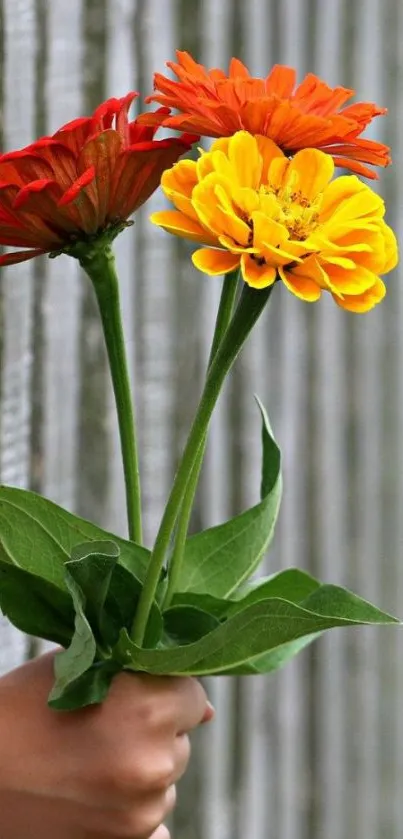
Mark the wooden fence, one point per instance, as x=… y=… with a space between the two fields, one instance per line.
x=316 y=751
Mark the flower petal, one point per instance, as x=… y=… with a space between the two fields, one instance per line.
x=361 y=303
x=180 y=225
x=314 y=170
x=19 y=256
x=214 y=262
x=256 y=272
x=301 y=284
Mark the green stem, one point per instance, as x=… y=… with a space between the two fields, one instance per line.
x=250 y=306
x=99 y=264
x=224 y=314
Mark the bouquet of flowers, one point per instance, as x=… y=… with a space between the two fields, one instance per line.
x=266 y=209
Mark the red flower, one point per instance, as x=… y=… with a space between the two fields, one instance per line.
x=87 y=178
x=294 y=117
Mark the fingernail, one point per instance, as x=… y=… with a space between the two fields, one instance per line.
x=209 y=713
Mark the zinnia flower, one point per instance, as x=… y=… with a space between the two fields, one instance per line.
x=86 y=179
x=281 y=218
x=295 y=117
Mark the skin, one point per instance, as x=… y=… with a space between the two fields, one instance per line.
x=106 y=772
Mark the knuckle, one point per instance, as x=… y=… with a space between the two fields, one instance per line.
x=156 y=774
x=140 y=821
x=156 y=712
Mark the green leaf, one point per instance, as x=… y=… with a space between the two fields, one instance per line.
x=218 y=560
x=90 y=688
x=185 y=624
x=35 y=606
x=72 y=663
x=273 y=660
x=215 y=606
x=91 y=566
x=39 y=536
x=341 y=603
x=258 y=629
x=292 y=585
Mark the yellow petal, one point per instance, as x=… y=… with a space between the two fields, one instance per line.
x=361 y=303
x=391 y=249
x=350 y=199
x=266 y=230
x=212 y=202
x=178 y=183
x=229 y=245
x=313 y=169
x=180 y=225
x=214 y=262
x=268 y=152
x=278 y=172
x=221 y=144
x=352 y=282
x=244 y=156
x=271 y=240
x=256 y=273
x=302 y=285
x=247 y=200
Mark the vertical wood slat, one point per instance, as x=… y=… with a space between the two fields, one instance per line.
x=331 y=394
x=63 y=277
x=154 y=389
x=119 y=81
x=397 y=782
x=291 y=711
x=218 y=806
x=369 y=443
x=16 y=289
x=257 y=805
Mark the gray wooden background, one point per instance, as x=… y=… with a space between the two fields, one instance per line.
x=314 y=752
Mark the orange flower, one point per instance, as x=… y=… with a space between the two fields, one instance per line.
x=86 y=179
x=309 y=115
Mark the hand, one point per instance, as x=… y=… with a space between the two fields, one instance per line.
x=105 y=772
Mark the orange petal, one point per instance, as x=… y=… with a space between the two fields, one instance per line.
x=180 y=225
x=354 y=281
x=256 y=273
x=391 y=249
x=361 y=303
x=300 y=284
x=214 y=262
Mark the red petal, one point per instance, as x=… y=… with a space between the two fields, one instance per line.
x=139 y=132
x=22 y=166
x=102 y=152
x=139 y=174
x=32 y=188
x=75 y=133
x=74 y=190
x=19 y=256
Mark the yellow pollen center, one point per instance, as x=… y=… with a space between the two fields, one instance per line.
x=294 y=210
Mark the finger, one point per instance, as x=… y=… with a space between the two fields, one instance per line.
x=170 y=799
x=192 y=704
x=162 y=832
x=210 y=712
x=168 y=805
x=181 y=756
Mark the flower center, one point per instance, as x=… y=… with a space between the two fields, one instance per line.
x=294 y=210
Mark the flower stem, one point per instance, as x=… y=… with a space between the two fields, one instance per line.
x=99 y=264
x=224 y=314
x=250 y=306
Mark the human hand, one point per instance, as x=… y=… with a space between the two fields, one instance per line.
x=105 y=772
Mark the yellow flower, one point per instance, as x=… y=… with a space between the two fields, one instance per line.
x=280 y=218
